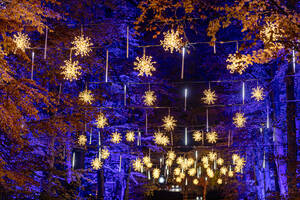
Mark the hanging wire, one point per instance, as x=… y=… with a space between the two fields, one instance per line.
x=46 y=44
x=32 y=64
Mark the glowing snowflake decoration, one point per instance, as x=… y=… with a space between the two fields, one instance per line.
x=192 y=171
x=210 y=172
x=209 y=96
x=204 y=160
x=137 y=164
x=82 y=45
x=82 y=140
x=177 y=171
x=146 y=160
x=144 y=65
x=197 y=135
x=212 y=137
x=86 y=96
x=149 y=98
x=238 y=62
x=116 y=138
x=239 y=120
x=179 y=160
x=171 y=155
x=212 y=156
x=219 y=181
x=169 y=162
x=258 y=93
x=71 y=70
x=190 y=161
x=130 y=136
x=235 y=157
x=220 y=161
x=240 y=162
x=223 y=170
x=149 y=165
x=96 y=164
x=182 y=175
x=230 y=173
x=206 y=165
x=156 y=173
x=172 y=41
x=22 y=41
x=105 y=153
x=195 y=181
x=101 y=120
x=169 y=123
x=178 y=179
x=161 y=139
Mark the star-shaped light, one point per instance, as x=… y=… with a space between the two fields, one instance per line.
x=169 y=162
x=86 y=96
x=190 y=161
x=82 y=45
x=156 y=173
x=130 y=136
x=230 y=173
x=219 y=181
x=239 y=120
x=82 y=140
x=209 y=96
x=239 y=62
x=240 y=162
x=204 y=160
x=197 y=135
x=192 y=171
x=149 y=98
x=210 y=172
x=146 y=160
x=71 y=70
x=172 y=41
x=220 y=161
x=149 y=165
x=22 y=41
x=171 y=155
x=182 y=175
x=116 y=138
x=223 y=170
x=195 y=181
x=96 y=164
x=161 y=139
x=212 y=137
x=258 y=93
x=179 y=160
x=169 y=123
x=212 y=156
x=177 y=171
x=101 y=120
x=105 y=153
x=144 y=65
x=137 y=164
x=178 y=179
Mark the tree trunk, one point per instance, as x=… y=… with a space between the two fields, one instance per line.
x=126 y=196
x=100 y=181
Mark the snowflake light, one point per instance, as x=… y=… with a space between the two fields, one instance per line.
x=177 y=171
x=82 y=140
x=149 y=98
x=219 y=181
x=22 y=41
x=137 y=164
x=205 y=165
x=204 y=160
x=238 y=62
x=71 y=70
x=239 y=120
x=144 y=65
x=101 y=120
x=223 y=170
x=169 y=123
x=146 y=160
x=240 y=162
x=220 y=161
x=156 y=173
x=178 y=179
x=165 y=140
x=212 y=156
x=169 y=162
x=190 y=161
x=161 y=139
x=209 y=96
x=171 y=155
x=184 y=165
x=82 y=45
x=258 y=93
x=192 y=171
x=182 y=175
x=230 y=173
x=86 y=96
x=105 y=153
x=197 y=135
x=149 y=165
x=210 y=172
x=195 y=181
x=212 y=137
x=130 y=137
x=172 y=41
x=179 y=160
x=116 y=138
x=96 y=164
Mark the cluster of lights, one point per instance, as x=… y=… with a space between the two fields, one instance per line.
x=149 y=98
x=101 y=120
x=147 y=162
x=86 y=97
x=239 y=120
x=258 y=93
x=169 y=123
x=172 y=41
x=71 y=70
x=137 y=164
x=82 y=140
x=130 y=136
x=82 y=45
x=21 y=41
x=116 y=138
x=238 y=162
x=144 y=65
x=239 y=62
x=271 y=34
x=156 y=173
x=209 y=96
x=161 y=139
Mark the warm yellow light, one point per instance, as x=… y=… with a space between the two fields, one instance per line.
x=192 y=171
x=160 y=138
x=230 y=173
x=101 y=120
x=212 y=137
x=82 y=45
x=149 y=98
x=212 y=156
x=130 y=137
x=96 y=164
x=177 y=171
x=182 y=175
x=86 y=96
x=169 y=123
x=137 y=164
x=116 y=138
x=258 y=93
x=172 y=41
x=219 y=181
x=22 y=41
x=169 y=162
x=204 y=160
x=223 y=170
x=210 y=173
x=144 y=65
x=171 y=155
x=190 y=161
x=179 y=160
x=146 y=160
x=82 y=140
x=105 y=154
x=220 y=161
x=209 y=96
x=239 y=120
x=149 y=165
x=156 y=173
x=178 y=179
x=198 y=135
x=239 y=62
x=196 y=181
x=71 y=70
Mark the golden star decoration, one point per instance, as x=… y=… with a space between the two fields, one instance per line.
x=230 y=173
x=146 y=160
x=116 y=138
x=178 y=179
x=210 y=172
x=172 y=41
x=161 y=139
x=71 y=70
x=219 y=181
x=137 y=164
x=130 y=136
x=211 y=137
x=86 y=96
x=209 y=96
x=192 y=171
x=169 y=162
x=197 y=135
x=212 y=156
x=82 y=45
x=204 y=160
x=239 y=120
x=238 y=62
x=190 y=161
x=22 y=41
x=144 y=65
x=235 y=157
x=223 y=170
x=179 y=160
x=169 y=123
x=195 y=181
x=149 y=98
x=156 y=173
x=149 y=165
x=177 y=171
x=220 y=161
x=182 y=175
x=82 y=140
x=96 y=164
x=105 y=153
x=258 y=93
x=101 y=120
x=171 y=155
